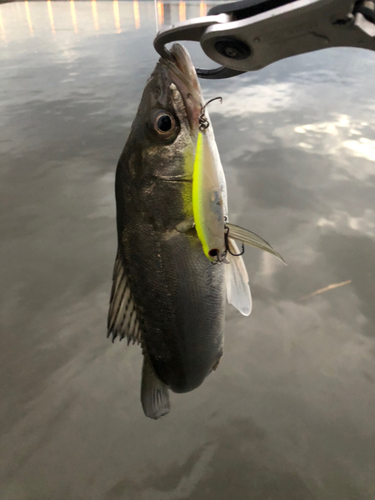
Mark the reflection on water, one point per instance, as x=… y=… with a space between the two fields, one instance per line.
x=74 y=16
x=137 y=19
x=166 y=14
x=95 y=14
x=330 y=137
x=160 y=13
x=202 y=9
x=182 y=11
x=116 y=14
x=50 y=15
x=363 y=148
x=28 y=17
x=289 y=414
x=2 y=30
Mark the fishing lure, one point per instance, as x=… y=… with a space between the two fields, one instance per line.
x=209 y=192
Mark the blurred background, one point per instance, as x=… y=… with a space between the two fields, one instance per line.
x=289 y=414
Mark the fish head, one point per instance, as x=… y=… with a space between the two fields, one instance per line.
x=167 y=144
x=167 y=123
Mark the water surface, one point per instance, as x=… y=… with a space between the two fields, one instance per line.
x=289 y=414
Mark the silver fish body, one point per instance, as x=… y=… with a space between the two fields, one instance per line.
x=179 y=295
x=166 y=294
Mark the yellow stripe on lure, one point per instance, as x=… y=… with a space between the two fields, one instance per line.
x=209 y=204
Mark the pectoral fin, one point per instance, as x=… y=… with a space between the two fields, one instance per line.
x=252 y=239
x=237 y=281
x=154 y=393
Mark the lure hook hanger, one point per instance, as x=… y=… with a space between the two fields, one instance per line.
x=227 y=250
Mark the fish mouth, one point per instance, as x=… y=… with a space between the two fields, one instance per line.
x=182 y=73
x=185 y=65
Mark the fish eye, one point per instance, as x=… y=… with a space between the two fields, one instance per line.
x=165 y=125
x=214 y=252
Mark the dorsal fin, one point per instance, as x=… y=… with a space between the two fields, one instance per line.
x=122 y=315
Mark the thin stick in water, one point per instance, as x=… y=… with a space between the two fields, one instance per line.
x=325 y=289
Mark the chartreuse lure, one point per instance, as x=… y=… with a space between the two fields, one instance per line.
x=208 y=203
x=210 y=212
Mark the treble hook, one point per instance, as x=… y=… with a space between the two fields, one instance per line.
x=227 y=249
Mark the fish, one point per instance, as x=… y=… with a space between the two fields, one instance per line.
x=177 y=259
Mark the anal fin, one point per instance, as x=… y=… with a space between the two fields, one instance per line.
x=154 y=393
